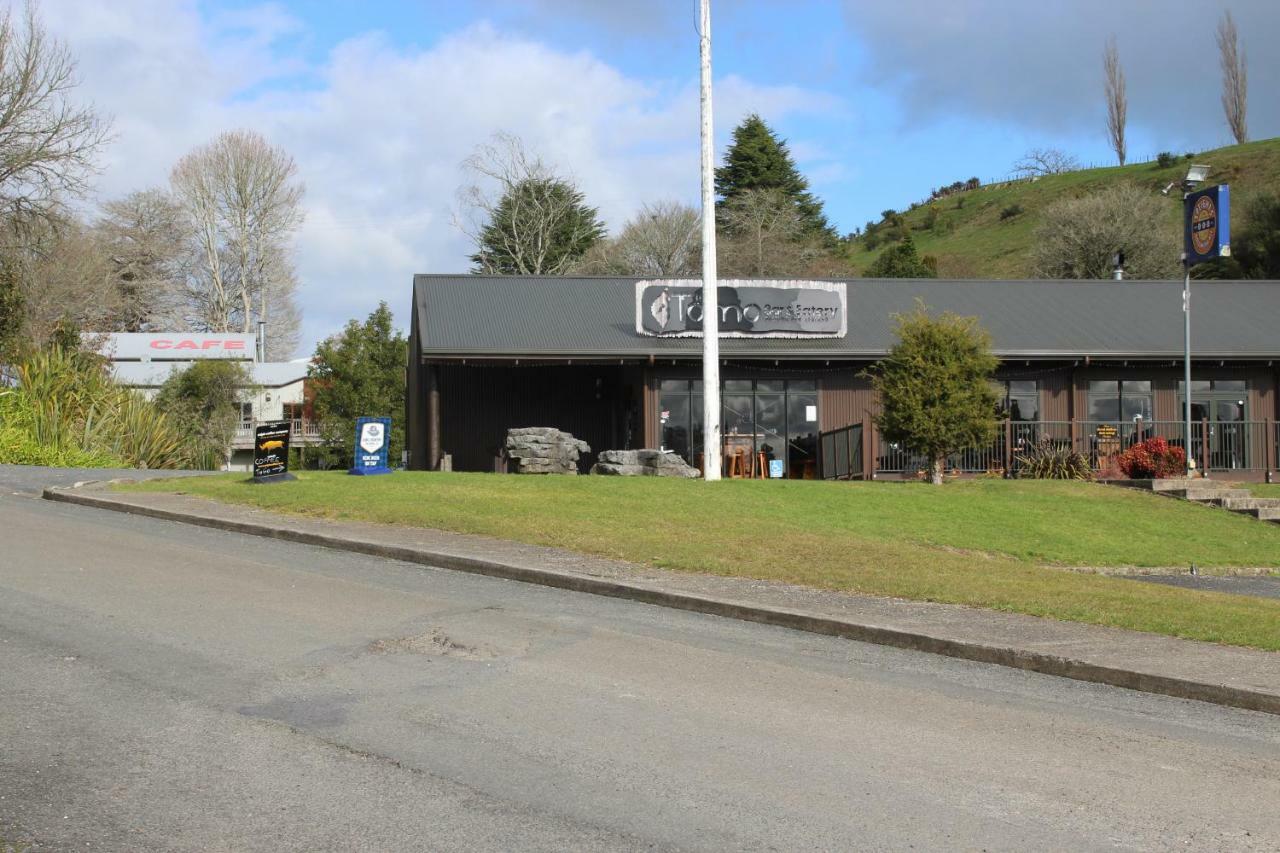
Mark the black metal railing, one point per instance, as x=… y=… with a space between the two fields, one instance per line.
x=1215 y=446
x=840 y=453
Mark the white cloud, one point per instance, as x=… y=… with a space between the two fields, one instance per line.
x=380 y=132
x=1038 y=65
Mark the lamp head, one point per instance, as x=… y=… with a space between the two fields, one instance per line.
x=1195 y=175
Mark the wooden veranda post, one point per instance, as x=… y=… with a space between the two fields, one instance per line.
x=1008 y=447
x=433 y=417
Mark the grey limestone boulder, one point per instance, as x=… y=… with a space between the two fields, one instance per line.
x=643 y=463
x=543 y=450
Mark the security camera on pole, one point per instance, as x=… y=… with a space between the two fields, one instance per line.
x=710 y=303
x=1206 y=228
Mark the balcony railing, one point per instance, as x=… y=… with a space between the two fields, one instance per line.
x=1249 y=448
x=300 y=429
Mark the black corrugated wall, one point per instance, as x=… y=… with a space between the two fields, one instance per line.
x=478 y=404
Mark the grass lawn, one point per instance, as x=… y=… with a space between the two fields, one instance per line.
x=979 y=542
x=1265 y=490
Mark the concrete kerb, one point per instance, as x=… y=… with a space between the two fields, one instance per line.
x=1064 y=667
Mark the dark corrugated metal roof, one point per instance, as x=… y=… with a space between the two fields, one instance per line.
x=530 y=316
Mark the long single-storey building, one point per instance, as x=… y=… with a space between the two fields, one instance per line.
x=616 y=362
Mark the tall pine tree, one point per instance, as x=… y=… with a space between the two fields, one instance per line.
x=758 y=160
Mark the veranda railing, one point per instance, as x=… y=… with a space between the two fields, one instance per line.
x=1249 y=447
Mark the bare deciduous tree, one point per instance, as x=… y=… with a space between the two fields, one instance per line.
x=244 y=201
x=70 y=278
x=149 y=240
x=1235 y=78
x=1117 y=99
x=763 y=235
x=1046 y=161
x=661 y=241
x=47 y=142
x=1077 y=237
x=522 y=217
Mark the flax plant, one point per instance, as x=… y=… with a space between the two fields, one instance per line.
x=66 y=405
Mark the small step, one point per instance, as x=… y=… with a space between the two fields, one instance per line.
x=1247 y=503
x=1270 y=513
x=1168 y=484
x=1202 y=493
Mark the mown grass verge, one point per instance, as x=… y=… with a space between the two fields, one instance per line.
x=979 y=543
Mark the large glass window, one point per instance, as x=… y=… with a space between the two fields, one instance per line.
x=1225 y=386
x=1116 y=400
x=1020 y=399
x=678 y=404
x=766 y=422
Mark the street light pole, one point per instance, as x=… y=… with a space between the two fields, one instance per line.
x=1195 y=175
x=710 y=303
x=1186 y=348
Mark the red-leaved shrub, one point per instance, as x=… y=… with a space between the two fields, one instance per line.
x=1151 y=459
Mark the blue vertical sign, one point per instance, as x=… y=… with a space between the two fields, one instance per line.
x=373 y=438
x=1207 y=226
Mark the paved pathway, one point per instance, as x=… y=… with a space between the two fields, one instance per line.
x=1264 y=587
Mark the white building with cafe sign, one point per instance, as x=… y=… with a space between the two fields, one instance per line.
x=277 y=392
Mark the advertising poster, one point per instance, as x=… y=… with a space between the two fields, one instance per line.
x=1208 y=224
x=373 y=440
x=271 y=450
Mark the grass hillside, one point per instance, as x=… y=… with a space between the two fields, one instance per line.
x=971 y=240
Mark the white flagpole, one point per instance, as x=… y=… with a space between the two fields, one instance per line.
x=710 y=305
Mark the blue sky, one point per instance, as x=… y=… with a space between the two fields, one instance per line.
x=380 y=102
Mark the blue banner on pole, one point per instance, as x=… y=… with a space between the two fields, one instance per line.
x=373 y=439
x=1207 y=224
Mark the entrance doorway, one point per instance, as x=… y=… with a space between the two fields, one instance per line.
x=1223 y=405
x=770 y=425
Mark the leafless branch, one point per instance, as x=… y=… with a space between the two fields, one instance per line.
x=1117 y=100
x=661 y=241
x=762 y=235
x=1046 y=161
x=1077 y=237
x=1235 y=78
x=518 y=213
x=47 y=142
x=244 y=200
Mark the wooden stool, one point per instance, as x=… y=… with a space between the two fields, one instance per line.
x=736 y=461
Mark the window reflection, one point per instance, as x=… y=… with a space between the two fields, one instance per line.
x=1116 y=400
x=772 y=422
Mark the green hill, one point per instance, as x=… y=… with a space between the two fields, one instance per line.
x=967 y=235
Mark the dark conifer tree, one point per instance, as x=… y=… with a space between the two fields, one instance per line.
x=758 y=160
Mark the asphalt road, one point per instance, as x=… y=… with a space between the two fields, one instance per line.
x=164 y=687
x=31 y=479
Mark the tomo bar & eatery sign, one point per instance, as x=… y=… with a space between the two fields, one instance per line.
x=748 y=309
